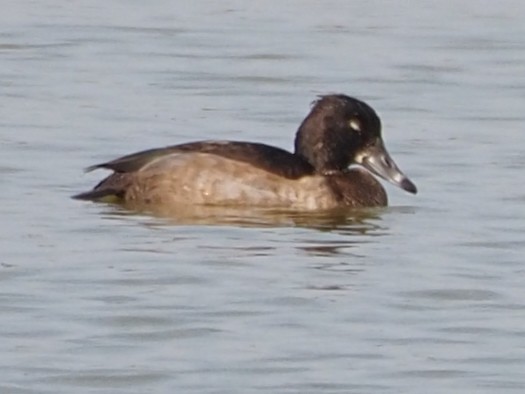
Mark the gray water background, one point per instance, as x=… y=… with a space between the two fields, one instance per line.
x=424 y=296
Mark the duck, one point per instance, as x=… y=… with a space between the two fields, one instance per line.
x=338 y=153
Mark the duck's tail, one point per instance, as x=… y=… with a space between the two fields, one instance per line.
x=111 y=196
x=110 y=190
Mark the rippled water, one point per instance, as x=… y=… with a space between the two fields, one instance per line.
x=424 y=296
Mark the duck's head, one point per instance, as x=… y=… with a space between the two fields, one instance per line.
x=340 y=131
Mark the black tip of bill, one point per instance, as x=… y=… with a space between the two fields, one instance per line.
x=407 y=185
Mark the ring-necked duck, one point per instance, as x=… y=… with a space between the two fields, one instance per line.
x=339 y=131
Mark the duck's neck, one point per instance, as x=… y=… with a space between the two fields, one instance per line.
x=325 y=157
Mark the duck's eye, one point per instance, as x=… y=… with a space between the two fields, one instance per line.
x=355 y=124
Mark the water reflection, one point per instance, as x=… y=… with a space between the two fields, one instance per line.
x=329 y=241
x=344 y=221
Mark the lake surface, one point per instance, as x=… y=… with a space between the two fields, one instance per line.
x=424 y=296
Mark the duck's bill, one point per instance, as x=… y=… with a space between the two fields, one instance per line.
x=377 y=160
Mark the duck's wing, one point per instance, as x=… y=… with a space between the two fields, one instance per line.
x=266 y=157
x=274 y=160
x=135 y=161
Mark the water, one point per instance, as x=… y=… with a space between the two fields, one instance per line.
x=424 y=296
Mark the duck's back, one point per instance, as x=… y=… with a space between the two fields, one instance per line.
x=269 y=158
